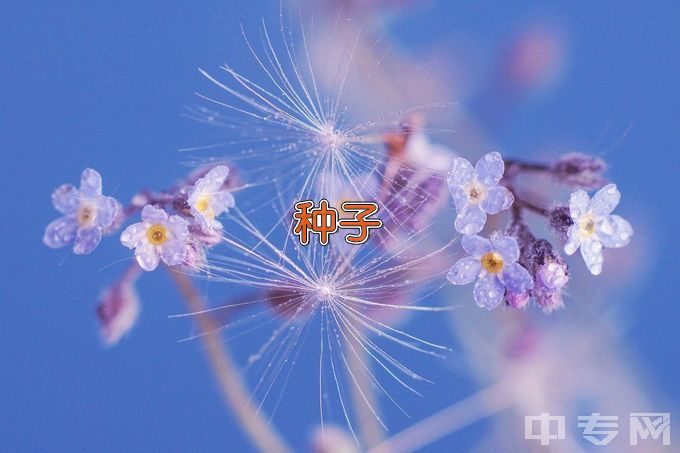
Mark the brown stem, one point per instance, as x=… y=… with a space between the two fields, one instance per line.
x=532 y=207
x=260 y=432
x=525 y=166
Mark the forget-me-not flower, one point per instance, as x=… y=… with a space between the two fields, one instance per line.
x=476 y=192
x=594 y=227
x=157 y=237
x=494 y=264
x=209 y=198
x=87 y=214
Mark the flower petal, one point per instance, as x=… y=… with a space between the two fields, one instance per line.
x=460 y=172
x=90 y=183
x=508 y=248
x=516 y=278
x=66 y=199
x=470 y=220
x=488 y=292
x=573 y=241
x=107 y=209
x=173 y=253
x=223 y=201
x=153 y=215
x=579 y=204
x=60 y=232
x=460 y=198
x=134 y=235
x=591 y=251
x=489 y=169
x=87 y=239
x=614 y=232
x=605 y=200
x=464 y=271
x=497 y=199
x=476 y=245
x=147 y=257
x=178 y=227
x=217 y=176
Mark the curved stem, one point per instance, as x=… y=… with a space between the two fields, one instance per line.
x=260 y=432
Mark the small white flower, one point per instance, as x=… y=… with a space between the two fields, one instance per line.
x=594 y=227
x=208 y=198
x=158 y=236
x=476 y=192
x=493 y=263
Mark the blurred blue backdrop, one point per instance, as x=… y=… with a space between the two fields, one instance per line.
x=103 y=84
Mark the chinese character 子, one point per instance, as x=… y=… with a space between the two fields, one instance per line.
x=599 y=429
x=361 y=220
x=644 y=425
x=325 y=221
x=322 y=221
x=545 y=425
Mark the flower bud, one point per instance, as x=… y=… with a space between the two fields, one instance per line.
x=560 y=221
x=580 y=171
x=118 y=307
x=550 y=273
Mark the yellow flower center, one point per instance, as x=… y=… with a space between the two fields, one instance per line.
x=86 y=214
x=492 y=262
x=203 y=206
x=157 y=234
x=587 y=226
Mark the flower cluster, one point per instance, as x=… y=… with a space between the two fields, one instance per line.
x=177 y=227
x=515 y=266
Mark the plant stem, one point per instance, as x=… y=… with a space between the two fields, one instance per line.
x=260 y=432
x=525 y=166
x=532 y=207
x=484 y=403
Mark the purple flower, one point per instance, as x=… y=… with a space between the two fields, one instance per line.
x=209 y=198
x=158 y=236
x=494 y=264
x=594 y=227
x=87 y=214
x=476 y=192
x=118 y=308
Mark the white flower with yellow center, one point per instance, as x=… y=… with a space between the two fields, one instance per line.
x=87 y=214
x=594 y=227
x=209 y=198
x=476 y=192
x=493 y=263
x=157 y=237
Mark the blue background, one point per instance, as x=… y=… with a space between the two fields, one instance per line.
x=103 y=84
